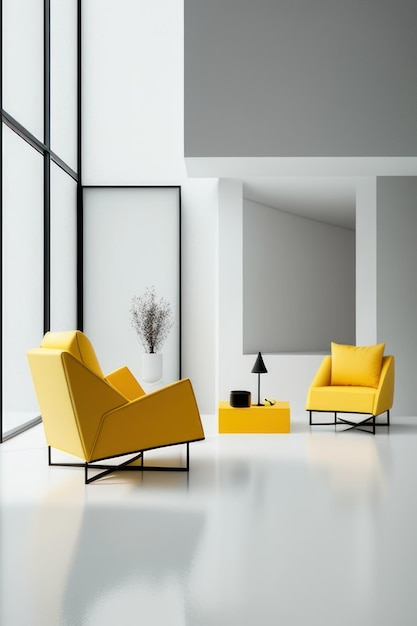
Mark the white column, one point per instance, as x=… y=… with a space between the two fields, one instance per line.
x=366 y=262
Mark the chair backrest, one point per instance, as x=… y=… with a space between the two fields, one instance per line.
x=356 y=365
x=72 y=394
x=76 y=343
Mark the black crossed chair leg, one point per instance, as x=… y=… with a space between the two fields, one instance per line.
x=364 y=425
x=124 y=466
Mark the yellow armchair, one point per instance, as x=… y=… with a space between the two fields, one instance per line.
x=354 y=379
x=96 y=417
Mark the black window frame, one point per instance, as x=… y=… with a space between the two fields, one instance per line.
x=49 y=156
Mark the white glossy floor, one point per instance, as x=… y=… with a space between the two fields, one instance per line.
x=314 y=528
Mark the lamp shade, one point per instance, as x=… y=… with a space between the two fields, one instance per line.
x=259 y=367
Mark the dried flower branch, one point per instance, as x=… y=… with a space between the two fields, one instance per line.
x=152 y=319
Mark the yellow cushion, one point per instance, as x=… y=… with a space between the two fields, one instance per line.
x=356 y=365
x=347 y=399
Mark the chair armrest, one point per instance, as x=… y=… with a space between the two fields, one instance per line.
x=323 y=374
x=384 y=398
x=163 y=417
x=322 y=378
x=124 y=382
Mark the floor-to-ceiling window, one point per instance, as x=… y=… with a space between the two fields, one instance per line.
x=41 y=188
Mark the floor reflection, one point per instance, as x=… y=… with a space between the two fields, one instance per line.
x=350 y=464
x=89 y=556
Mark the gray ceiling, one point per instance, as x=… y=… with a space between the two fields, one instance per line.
x=326 y=199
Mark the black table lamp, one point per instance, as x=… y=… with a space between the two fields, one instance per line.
x=259 y=368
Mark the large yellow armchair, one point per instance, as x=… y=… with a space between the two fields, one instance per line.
x=97 y=417
x=353 y=379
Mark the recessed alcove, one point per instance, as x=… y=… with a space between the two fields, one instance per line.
x=298 y=267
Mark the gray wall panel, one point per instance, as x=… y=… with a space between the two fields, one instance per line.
x=300 y=78
x=397 y=283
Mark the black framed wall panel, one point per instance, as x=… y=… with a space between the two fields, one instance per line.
x=131 y=241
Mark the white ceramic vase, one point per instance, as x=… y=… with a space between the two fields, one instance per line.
x=151 y=367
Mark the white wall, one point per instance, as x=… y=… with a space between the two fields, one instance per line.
x=132 y=91
x=199 y=288
x=133 y=134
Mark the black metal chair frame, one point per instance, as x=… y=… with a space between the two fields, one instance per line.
x=363 y=425
x=125 y=465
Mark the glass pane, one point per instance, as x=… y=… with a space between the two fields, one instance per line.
x=23 y=63
x=22 y=275
x=64 y=80
x=63 y=250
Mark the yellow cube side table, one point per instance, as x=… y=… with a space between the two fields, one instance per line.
x=254 y=419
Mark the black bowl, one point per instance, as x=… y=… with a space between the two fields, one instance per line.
x=240 y=399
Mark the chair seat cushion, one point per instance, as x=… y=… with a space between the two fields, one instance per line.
x=356 y=365
x=348 y=398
